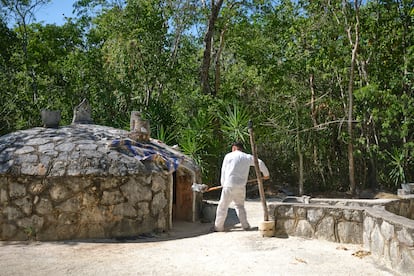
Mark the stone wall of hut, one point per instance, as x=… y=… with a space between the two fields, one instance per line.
x=74 y=207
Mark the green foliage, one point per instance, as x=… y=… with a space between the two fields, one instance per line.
x=191 y=145
x=196 y=139
x=166 y=134
x=283 y=64
x=162 y=122
x=234 y=123
x=397 y=164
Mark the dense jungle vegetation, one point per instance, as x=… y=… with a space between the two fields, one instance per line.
x=328 y=84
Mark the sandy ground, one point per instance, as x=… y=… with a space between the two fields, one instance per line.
x=189 y=249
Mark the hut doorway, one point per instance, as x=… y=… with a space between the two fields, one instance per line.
x=183 y=197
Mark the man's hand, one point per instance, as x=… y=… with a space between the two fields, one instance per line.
x=266 y=177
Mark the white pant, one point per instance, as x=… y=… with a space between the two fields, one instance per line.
x=228 y=195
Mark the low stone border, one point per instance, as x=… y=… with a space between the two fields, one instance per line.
x=390 y=238
x=386 y=235
x=343 y=225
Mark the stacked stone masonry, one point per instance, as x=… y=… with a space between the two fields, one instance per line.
x=82 y=207
x=66 y=183
x=387 y=235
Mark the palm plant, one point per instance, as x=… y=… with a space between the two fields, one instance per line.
x=397 y=173
x=196 y=138
x=234 y=123
x=166 y=134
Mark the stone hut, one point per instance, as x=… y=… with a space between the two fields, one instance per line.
x=86 y=181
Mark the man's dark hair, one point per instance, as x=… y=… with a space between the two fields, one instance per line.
x=238 y=145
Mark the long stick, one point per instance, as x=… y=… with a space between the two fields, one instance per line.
x=258 y=173
x=199 y=187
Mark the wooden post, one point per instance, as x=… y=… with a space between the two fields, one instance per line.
x=258 y=173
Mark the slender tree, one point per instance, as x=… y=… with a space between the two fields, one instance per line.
x=215 y=7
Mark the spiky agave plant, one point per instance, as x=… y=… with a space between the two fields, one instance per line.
x=397 y=172
x=234 y=122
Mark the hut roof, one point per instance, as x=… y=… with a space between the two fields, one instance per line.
x=85 y=149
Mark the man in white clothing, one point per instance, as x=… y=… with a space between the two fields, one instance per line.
x=234 y=174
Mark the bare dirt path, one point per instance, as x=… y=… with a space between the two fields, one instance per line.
x=189 y=249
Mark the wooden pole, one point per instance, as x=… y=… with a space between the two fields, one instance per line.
x=258 y=173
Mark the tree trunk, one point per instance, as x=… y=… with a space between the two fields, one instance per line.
x=217 y=62
x=299 y=150
x=355 y=44
x=208 y=42
x=314 y=116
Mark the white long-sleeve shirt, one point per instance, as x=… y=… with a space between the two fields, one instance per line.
x=235 y=168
